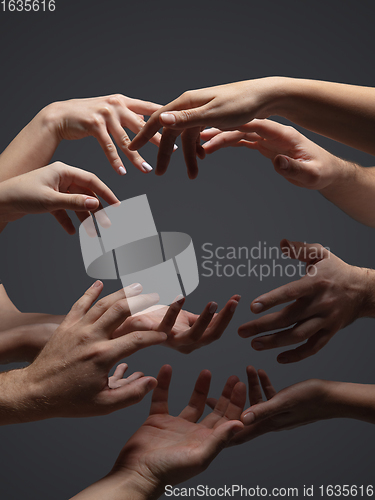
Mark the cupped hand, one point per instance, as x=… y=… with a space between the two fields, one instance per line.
x=329 y=297
x=103 y=117
x=186 y=331
x=169 y=450
x=55 y=189
x=301 y=161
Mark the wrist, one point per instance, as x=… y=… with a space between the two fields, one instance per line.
x=348 y=400
x=19 y=398
x=50 y=121
x=141 y=485
x=367 y=298
x=272 y=93
x=121 y=485
x=342 y=175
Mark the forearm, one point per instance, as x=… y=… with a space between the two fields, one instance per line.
x=345 y=113
x=353 y=190
x=347 y=400
x=33 y=147
x=120 y=486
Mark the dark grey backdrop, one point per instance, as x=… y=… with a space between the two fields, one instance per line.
x=155 y=51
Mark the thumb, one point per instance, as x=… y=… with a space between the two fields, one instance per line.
x=220 y=438
x=258 y=412
x=76 y=202
x=296 y=171
x=185 y=118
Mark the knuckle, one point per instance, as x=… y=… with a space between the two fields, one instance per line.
x=125 y=141
x=115 y=99
x=105 y=111
x=137 y=338
x=95 y=122
x=121 y=307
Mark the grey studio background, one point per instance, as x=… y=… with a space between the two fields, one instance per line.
x=155 y=51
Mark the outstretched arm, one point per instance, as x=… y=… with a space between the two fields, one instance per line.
x=168 y=450
x=342 y=112
x=304 y=164
x=104 y=118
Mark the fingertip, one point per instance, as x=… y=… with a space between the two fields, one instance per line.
x=283 y=360
x=248 y=418
x=243 y=333
x=256 y=307
x=151 y=383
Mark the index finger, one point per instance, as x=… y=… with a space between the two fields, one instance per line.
x=159 y=402
x=283 y=294
x=92 y=182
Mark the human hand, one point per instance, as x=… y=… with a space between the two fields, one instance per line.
x=225 y=107
x=169 y=450
x=186 y=331
x=299 y=404
x=329 y=297
x=103 y=117
x=301 y=161
x=55 y=189
x=70 y=376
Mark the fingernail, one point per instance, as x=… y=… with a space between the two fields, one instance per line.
x=212 y=308
x=122 y=171
x=283 y=163
x=175 y=147
x=147 y=167
x=282 y=359
x=206 y=143
x=233 y=306
x=257 y=345
x=168 y=118
x=257 y=307
x=150 y=384
x=248 y=418
x=180 y=298
x=135 y=286
x=97 y=284
x=91 y=203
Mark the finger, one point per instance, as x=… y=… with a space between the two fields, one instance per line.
x=102 y=136
x=167 y=117
x=237 y=402
x=267 y=386
x=159 y=402
x=267 y=129
x=221 y=321
x=114 y=384
x=219 y=439
x=311 y=347
x=105 y=303
x=79 y=177
x=305 y=252
x=83 y=304
x=194 y=333
x=136 y=122
x=99 y=212
x=299 y=333
x=120 y=371
x=189 y=139
x=222 y=403
x=166 y=149
x=128 y=344
x=63 y=218
x=142 y=107
x=208 y=133
x=291 y=314
x=211 y=403
x=255 y=392
x=128 y=394
x=122 y=309
x=170 y=317
x=195 y=408
x=261 y=411
x=281 y=295
x=122 y=139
